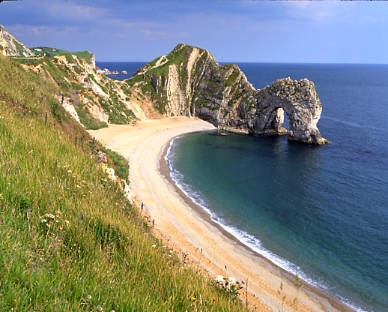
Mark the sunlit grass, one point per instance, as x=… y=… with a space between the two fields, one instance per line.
x=69 y=239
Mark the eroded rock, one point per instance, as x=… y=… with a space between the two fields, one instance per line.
x=190 y=82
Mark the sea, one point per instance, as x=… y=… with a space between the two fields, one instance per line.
x=320 y=212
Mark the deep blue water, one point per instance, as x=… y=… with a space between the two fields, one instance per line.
x=130 y=67
x=321 y=212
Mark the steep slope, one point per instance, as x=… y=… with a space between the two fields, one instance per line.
x=189 y=81
x=70 y=239
x=92 y=98
x=10 y=46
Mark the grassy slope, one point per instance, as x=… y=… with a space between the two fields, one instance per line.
x=65 y=78
x=50 y=52
x=70 y=241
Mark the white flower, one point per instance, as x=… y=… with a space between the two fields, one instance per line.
x=43 y=221
x=219 y=279
x=232 y=280
x=153 y=246
x=89 y=297
x=49 y=216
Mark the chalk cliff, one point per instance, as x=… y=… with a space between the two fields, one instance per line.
x=189 y=81
x=10 y=46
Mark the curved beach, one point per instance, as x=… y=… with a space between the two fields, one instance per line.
x=190 y=230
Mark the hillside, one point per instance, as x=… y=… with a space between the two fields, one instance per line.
x=70 y=240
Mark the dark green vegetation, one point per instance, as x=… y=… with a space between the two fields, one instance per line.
x=118 y=163
x=88 y=121
x=70 y=240
x=208 y=81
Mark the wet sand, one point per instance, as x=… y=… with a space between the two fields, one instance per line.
x=189 y=229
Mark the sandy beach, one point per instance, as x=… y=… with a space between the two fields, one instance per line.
x=190 y=230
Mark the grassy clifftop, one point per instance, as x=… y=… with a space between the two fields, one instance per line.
x=50 y=52
x=70 y=240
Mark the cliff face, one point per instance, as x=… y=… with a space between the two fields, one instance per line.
x=10 y=46
x=189 y=81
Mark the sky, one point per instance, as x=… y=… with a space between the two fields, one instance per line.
x=232 y=30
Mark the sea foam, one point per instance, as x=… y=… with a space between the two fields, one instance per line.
x=245 y=238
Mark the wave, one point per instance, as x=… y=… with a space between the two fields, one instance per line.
x=247 y=239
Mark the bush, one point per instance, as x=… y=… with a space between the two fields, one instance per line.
x=88 y=121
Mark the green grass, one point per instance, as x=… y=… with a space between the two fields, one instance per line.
x=70 y=241
x=118 y=163
x=232 y=78
x=88 y=121
x=28 y=61
x=50 y=52
x=84 y=54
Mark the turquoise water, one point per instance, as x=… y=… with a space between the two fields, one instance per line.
x=321 y=212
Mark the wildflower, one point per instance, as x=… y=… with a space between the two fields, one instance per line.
x=43 y=221
x=232 y=280
x=153 y=246
x=99 y=308
x=49 y=216
x=219 y=279
x=69 y=171
x=193 y=299
x=67 y=222
x=89 y=297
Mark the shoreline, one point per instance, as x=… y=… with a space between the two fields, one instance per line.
x=202 y=213
x=191 y=229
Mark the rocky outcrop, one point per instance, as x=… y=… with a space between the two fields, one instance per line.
x=10 y=46
x=299 y=100
x=189 y=81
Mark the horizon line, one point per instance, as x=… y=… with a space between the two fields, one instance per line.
x=260 y=62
